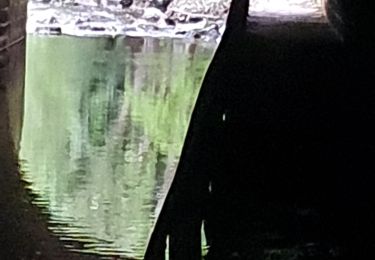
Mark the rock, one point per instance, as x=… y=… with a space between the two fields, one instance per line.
x=161 y=4
x=84 y=2
x=49 y=30
x=127 y=17
x=203 y=7
x=53 y=20
x=170 y=22
x=180 y=27
x=153 y=13
x=126 y=3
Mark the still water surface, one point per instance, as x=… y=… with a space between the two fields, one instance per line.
x=103 y=129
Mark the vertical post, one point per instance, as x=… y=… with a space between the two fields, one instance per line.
x=183 y=211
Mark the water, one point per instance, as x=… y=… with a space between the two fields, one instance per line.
x=103 y=128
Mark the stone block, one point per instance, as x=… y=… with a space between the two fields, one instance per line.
x=4 y=3
x=4 y=59
x=4 y=15
x=12 y=43
x=3 y=41
x=4 y=28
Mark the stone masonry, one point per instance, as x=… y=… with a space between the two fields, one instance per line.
x=12 y=61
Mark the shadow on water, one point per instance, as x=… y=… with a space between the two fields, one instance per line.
x=102 y=134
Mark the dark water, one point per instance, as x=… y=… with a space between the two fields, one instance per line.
x=103 y=129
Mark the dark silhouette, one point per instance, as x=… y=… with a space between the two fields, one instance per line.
x=279 y=157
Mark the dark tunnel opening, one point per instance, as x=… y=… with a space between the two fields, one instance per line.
x=278 y=161
x=281 y=127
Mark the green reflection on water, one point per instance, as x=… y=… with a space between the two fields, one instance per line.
x=103 y=129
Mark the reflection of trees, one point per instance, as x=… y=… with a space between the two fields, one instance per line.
x=103 y=124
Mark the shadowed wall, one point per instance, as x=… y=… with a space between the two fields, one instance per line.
x=12 y=62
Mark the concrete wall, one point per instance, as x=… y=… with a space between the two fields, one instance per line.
x=353 y=19
x=12 y=64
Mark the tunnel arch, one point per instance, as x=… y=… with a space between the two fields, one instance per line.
x=347 y=17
